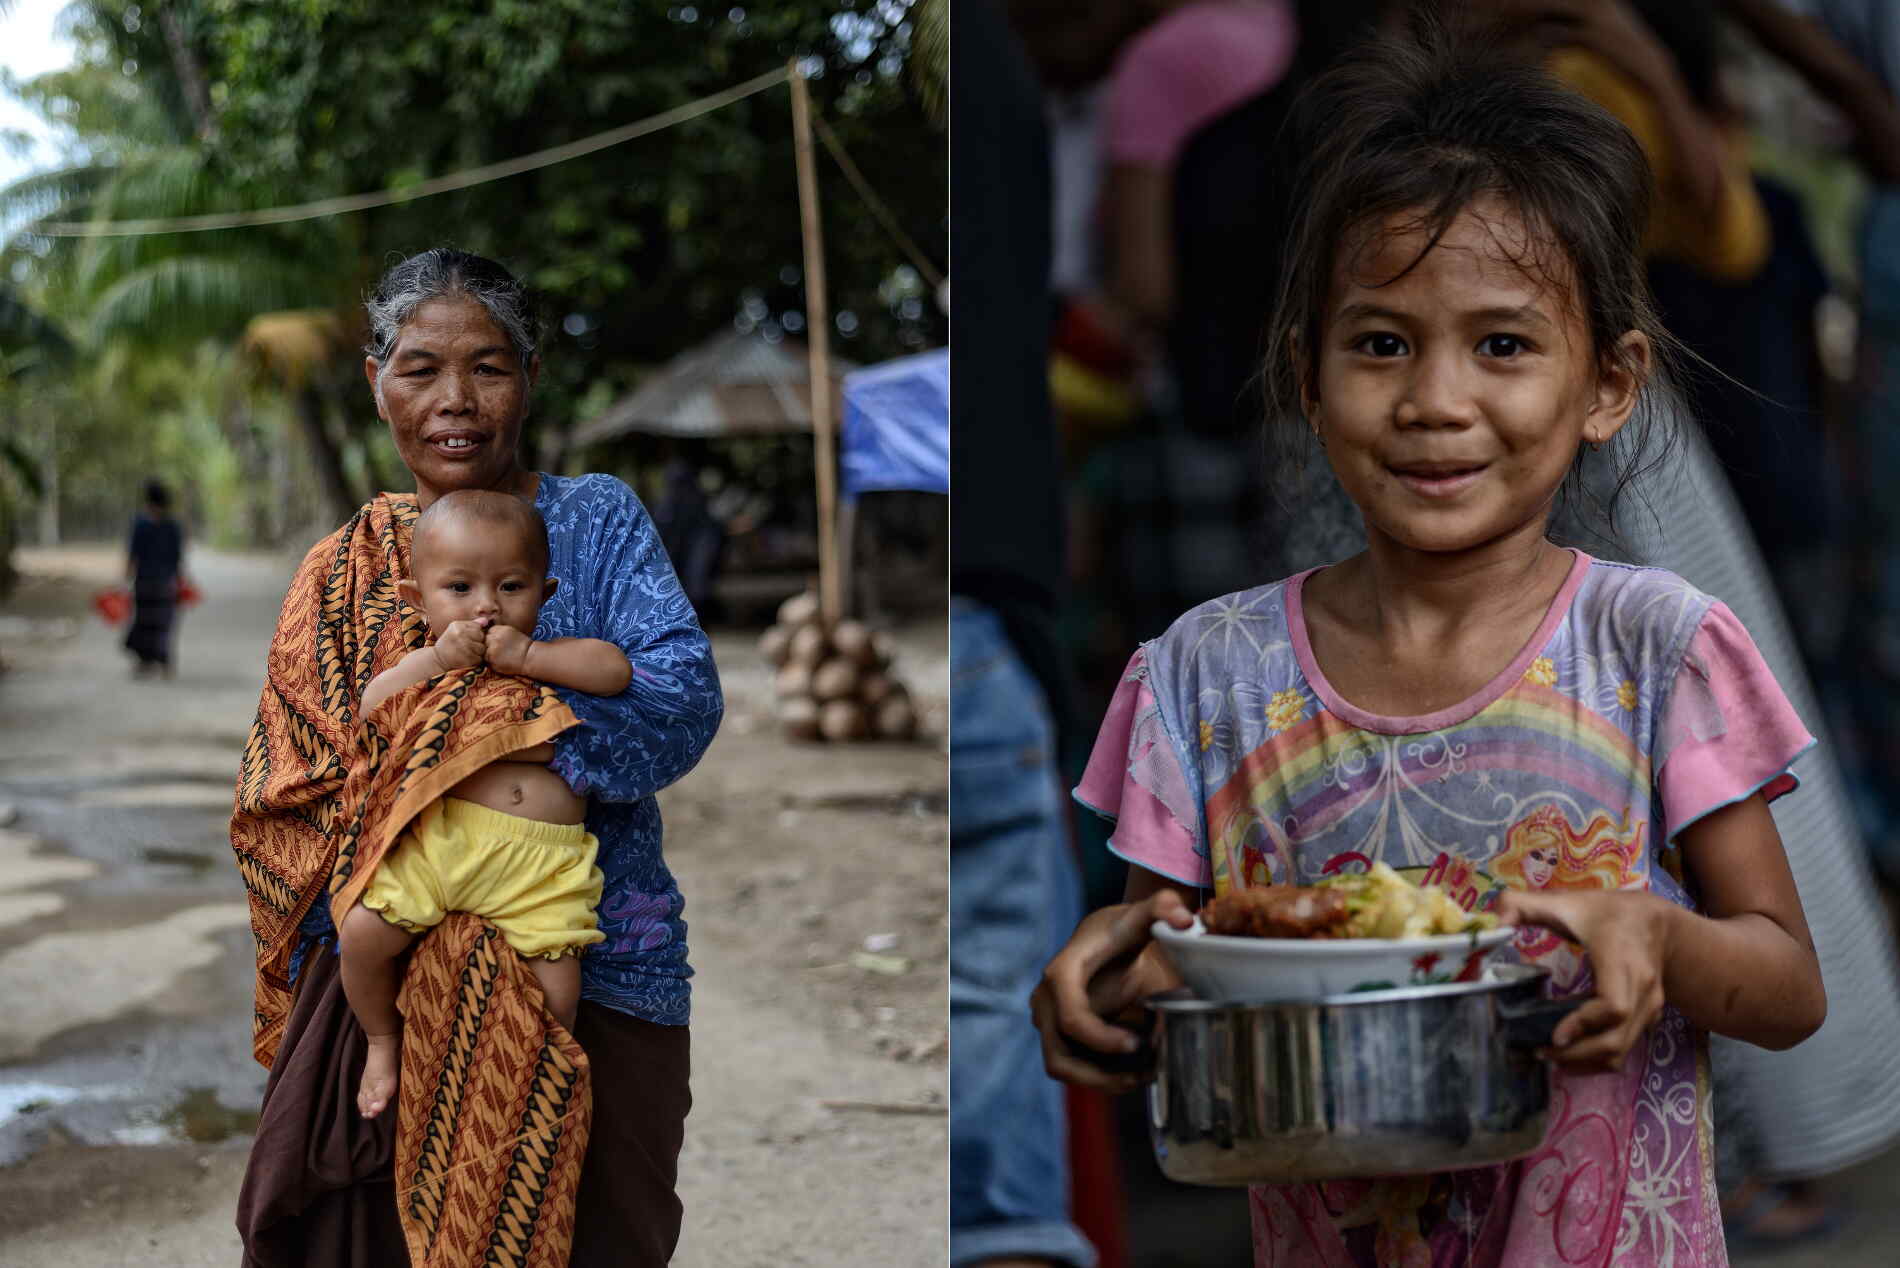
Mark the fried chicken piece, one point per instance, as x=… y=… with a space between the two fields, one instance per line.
x=1277 y=911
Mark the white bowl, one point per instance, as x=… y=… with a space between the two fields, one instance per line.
x=1225 y=968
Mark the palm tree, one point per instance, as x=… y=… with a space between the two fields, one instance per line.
x=163 y=293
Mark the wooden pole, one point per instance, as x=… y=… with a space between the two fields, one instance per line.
x=818 y=345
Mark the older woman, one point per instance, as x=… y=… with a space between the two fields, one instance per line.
x=451 y=364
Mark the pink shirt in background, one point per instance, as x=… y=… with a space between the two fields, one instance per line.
x=1188 y=69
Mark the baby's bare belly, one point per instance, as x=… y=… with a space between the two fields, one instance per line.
x=525 y=788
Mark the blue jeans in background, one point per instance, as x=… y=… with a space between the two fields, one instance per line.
x=1014 y=899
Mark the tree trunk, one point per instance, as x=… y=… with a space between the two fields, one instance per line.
x=234 y=419
x=325 y=454
x=191 y=76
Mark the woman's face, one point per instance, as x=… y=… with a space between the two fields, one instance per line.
x=454 y=395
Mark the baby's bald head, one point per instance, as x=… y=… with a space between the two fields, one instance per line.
x=478 y=556
x=504 y=511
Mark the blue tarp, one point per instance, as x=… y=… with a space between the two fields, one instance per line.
x=897 y=426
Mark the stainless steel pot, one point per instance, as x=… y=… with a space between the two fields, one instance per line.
x=1428 y=1078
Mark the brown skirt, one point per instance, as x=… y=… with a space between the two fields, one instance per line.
x=318 y=1191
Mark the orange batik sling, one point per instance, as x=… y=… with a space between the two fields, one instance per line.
x=492 y=1112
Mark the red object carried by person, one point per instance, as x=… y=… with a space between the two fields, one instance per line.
x=113 y=606
x=188 y=593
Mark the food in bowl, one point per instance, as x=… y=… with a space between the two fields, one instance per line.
x=1378 y=903
x=1369 y=931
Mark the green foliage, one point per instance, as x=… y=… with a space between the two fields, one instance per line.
x=639 y=251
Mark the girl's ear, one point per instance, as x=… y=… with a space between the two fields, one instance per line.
x=1620 y=381
x=1304 y=376
x=552 y=584
x=411 y=592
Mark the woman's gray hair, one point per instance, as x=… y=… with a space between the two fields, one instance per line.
x=442 y=271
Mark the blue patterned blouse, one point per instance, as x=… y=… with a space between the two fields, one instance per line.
x=617 y=584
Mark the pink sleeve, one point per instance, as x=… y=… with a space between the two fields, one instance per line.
x=1188 y=69
x=1727 y=731
x=1135 y=779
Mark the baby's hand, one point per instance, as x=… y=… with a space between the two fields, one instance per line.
x=508 y=650
x=1627 y=937
x=462 y=645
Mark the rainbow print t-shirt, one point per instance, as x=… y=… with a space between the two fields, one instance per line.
x=1638 y=706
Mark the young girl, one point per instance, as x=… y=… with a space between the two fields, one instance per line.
x=1464 y=311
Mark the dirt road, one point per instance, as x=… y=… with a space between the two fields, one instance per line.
x=814 y=881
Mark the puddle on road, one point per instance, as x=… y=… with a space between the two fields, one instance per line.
x=202 y=1118
x=198 y=1117
x=31 y=1098
x=181 y=858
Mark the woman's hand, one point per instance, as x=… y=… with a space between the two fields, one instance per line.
x=1109 y=965
x=463 y=645
x=1627 y=936
x=508 y=650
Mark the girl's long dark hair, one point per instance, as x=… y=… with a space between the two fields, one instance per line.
x=1422 y=129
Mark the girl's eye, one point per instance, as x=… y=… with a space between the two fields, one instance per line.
x=509 y=587
x=1502 y=346
x=1381 y=343
x=459 y=587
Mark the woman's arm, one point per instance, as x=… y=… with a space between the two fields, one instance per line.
x=633 y=744
x=1746 y=969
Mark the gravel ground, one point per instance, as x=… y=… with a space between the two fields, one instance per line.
x=815 y=892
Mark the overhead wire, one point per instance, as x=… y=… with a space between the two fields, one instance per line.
x=424 y=189
x=487 y=173
x=879 y=209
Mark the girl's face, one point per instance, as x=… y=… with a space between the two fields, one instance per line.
x=1453 y=400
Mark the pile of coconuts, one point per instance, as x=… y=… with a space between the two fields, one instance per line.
x=834 y=685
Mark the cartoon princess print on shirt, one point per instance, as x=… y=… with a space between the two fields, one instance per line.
x=1543 y=851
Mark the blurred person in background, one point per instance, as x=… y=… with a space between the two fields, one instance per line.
x=690 y=534
x=155 y=569
x=1156 y=347
x=1014 y=891
x=1848 y=53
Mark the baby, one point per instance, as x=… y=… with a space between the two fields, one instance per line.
x=508 y=843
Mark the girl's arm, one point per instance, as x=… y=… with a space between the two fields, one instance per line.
x=1110 y=964
x=1746 y=969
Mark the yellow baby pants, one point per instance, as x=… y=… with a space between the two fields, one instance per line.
x=534 y=881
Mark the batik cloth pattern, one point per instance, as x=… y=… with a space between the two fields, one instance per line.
x=1638 y=706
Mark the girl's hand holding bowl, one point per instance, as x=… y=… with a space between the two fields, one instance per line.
x=1627 y=936
x=1109 y=965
